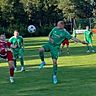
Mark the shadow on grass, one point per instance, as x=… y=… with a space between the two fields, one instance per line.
x=73 y=81
x=35 y=43
x=32 y=53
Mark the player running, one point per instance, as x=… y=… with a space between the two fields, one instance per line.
x=6 y=53
x=65 y=42
x=18 y=52
x=56 y=37
x=88 y=38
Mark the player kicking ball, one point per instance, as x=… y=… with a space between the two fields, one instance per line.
x=6 y=53
x=88 y=38
x=56 y=37
x=18 y=52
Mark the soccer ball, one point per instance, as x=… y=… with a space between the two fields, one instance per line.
x=31 y=29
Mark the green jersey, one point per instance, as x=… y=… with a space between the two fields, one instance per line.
x=17 y=41
x=88 y=35
x=58 y=35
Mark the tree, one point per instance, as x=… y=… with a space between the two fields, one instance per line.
x=68 y=8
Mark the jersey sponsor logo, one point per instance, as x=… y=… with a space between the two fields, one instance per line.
x=56 y=36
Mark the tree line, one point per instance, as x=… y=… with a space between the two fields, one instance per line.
x=44 y=14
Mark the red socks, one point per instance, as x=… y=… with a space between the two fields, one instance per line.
x=12 y=71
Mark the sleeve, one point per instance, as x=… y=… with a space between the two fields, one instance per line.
x=67 y=34
x=50 y=34
x=10 y=40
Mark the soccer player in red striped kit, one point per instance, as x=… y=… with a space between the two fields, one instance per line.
x=6 y=53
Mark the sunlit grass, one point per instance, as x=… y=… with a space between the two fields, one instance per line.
x=76 y=72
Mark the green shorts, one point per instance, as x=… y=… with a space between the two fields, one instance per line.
x=53 y=49
x=89 y=41
x=18 y=53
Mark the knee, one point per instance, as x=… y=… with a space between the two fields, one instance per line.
x=20 y=57
x=11 y=63
x=41 y=50
x=54 y=61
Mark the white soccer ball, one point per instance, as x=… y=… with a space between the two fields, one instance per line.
x=31 y=29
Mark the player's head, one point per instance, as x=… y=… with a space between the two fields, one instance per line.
x=2 y=36
x=16 y=33
x=87 y=27
x=60 y=24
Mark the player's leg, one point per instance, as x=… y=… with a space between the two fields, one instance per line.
x=15 y=55
x=91 y=45
x=22 y=63
x=55 y=71
x=61 y=48
x=67 y=44
x=88 y=47
x=11 y=65
x=67 y=49
x=55 y=54
x=62 y=45
x=15 y=65
x=43 y=49
x=41 y=55
x=21 y=57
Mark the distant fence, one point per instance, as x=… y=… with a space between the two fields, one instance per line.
x=79 y=24
x=82 y=31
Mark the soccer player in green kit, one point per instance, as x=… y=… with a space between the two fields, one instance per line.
x=88 y=38
x=18 y=52
x=56 y=37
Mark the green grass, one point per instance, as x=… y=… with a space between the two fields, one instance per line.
x=76 y=73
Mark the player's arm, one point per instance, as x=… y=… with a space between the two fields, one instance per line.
x=22 y=42
x=9 y=46
x=68 y=36
x=78 y=41
x=10 y=43
x=10 y=40
x=50 y=38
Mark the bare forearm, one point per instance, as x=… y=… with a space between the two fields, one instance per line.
x=76 y=40
x=51 y=40
x=12 y=46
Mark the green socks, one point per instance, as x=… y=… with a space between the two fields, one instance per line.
x=41 y=54
x=15 y=63
x=54 y=69
x=22 y=62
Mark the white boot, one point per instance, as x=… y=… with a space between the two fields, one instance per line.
x=11 y=79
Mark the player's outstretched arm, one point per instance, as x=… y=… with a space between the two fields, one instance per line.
x=51 y=40
x=78 y=41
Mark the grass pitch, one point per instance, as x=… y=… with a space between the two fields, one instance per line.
x=76 y=73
